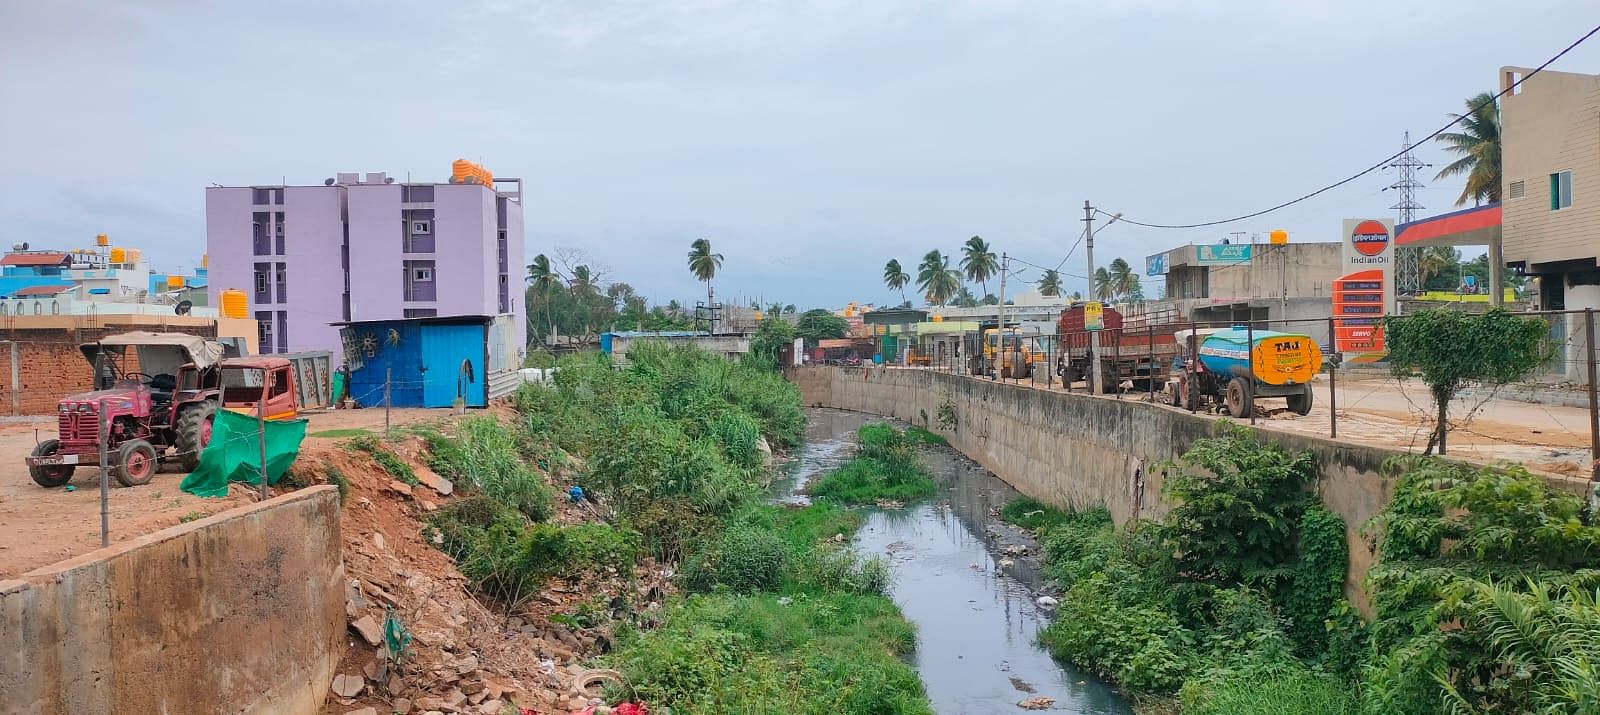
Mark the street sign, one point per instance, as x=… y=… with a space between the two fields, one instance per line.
x=1093 y=316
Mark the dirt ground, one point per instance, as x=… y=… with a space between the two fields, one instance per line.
x=44 y=526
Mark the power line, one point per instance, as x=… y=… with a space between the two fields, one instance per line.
x=1385 y=162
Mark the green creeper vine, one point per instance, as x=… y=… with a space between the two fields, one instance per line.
x=946 y=414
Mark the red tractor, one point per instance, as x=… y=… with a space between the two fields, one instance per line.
x=161 y=410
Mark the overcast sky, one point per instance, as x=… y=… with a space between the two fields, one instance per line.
x=809 y=141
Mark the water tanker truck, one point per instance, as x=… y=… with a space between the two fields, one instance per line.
x=1233 y=367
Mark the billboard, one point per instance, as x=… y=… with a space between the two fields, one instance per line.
x=1221 y=254
x=1365 y=293
x=1155 y=265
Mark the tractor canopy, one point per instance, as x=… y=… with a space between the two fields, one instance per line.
x=159 y=353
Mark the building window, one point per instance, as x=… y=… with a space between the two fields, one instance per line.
x=278 y=232
x=419 y=281
x=283 y=283
x=1516 y=190
x=261 y=241
x=283 y=331
x=421 y=275
x=421 y=312
x=264 y=331
x=261 y=196
x=418 y=194
x=1560 y=190
x=421 y=228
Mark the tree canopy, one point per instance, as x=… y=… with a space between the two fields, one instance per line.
x=818 y=324
x=1450 y=350
x=1478 y=145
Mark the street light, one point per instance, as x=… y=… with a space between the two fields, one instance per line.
x=1094 y=335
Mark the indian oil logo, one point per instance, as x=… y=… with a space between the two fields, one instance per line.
x=1370 y=238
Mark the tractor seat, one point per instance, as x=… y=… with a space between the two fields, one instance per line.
x=161 y=387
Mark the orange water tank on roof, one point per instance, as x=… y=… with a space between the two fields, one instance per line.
x=174 y=281
x=119 y=255
x=235 y=304
x=101 y=239
x=465 y=172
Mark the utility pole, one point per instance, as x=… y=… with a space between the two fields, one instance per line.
x=1000 y=316
x=1094 y=335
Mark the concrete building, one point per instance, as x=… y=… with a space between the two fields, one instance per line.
x=1244 y=281
x=729 y=345
x=365 y=248
x=1550 y=198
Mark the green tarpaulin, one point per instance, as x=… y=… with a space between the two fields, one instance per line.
x=234 y=453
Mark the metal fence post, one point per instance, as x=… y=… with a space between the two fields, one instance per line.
x=1116 y=363
x=1150 y=368
x=261 y=428
x=388 y=376
x=1250 y=367
x=1594 y=408
x=1333 y=385
x=105 y=486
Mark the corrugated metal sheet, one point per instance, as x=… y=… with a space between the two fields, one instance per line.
x=454 y=360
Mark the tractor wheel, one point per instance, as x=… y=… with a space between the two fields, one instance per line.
x=136 y=463
x=53 y=475
x=1301 y=404
x=1191 y=395
x=1020 y=368
x=1238 y=398
x=193 y=432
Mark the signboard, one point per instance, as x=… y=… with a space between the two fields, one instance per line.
x=1155 y=265
x=1093 y=316
x=1221 y=254
x=1369 y=251
x=1358 y=300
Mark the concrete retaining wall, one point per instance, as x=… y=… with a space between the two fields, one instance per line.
x=242 y=612
x=1075 y=451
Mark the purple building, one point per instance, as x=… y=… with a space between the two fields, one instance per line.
x=361 y=249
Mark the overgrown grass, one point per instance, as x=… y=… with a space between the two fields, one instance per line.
x=341 y=433
x=391 y=463
x=1275 y=690
x=923 y=436
x=485 y=456
x=1032 y=514
x=886 y=468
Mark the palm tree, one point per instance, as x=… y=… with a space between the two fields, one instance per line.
x=704 y=264
x=1102 y=287
x=543 y=279
x=1433 y=261
x=895 y=277
x=964 y=298
x=1050 y=284
x=1478 y=144
x=1124 y=282
x=582 y=282
x=978 y=261
x=936 y=279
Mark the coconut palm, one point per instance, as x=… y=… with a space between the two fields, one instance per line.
x=1434 y=261
x=895 y=277
x=1101 y=288
x=1124 y=282
x=1050 y=284
x=543 y=279
x=1478 y=144
x=978 y=261
x=936 y=279
x=583 y=281
x=704 y=264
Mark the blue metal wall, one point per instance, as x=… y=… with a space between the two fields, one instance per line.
x=453 y=355
x=430 y=364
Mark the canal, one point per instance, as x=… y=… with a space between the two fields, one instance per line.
x=974 y=606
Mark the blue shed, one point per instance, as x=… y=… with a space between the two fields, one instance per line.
x=429 y=362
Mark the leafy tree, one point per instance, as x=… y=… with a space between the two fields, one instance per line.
x=990 y=299
x=895 y=277
x=939 y=282
x=771 y=336
x=964 y=298
x=978 y=262
x=819 y=324
x=704 y=264
x=542 y=278
x=790 y=308
x=1478 y=145
x=1050 y=284
x=1451 y=351
x=584 y=281
x=1102 y=287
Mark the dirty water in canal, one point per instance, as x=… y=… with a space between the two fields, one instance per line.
x=976 y=619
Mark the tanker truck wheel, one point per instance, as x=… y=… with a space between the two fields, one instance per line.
x=1301 y=404
x=1238 y=398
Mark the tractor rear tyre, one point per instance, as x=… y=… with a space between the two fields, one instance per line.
x=193 y=432
x=136 y=463
x=53 y=475
x=1020 y=368
x=1238 y=398
x=1301 y=404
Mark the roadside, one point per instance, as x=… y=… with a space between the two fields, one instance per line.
x=48 y=525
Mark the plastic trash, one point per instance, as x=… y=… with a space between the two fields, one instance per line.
x=71 y=488
x=575 y=493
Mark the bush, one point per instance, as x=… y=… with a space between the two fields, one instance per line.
x=389 y=461
x=1142 y=647
x=738 y=435
x=885 y=468
x=1032 y=514
x=745 y=559
x=483 y=457
x=1267 y=690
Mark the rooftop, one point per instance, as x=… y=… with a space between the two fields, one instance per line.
x=35 y=258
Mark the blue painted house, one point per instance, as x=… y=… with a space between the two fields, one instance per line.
x=430 y=362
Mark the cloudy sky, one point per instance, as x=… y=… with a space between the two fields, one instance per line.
x=810 y=141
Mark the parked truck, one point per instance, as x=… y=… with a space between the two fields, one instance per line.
x=1008 y=351
x=1141 y=356
x=160 y=393
x=1232 y=367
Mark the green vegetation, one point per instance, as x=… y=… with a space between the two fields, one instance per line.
x=485 y=456
x=921 y=435
x=389 y=461
x=1478 y=145
x=886 y=468
x=772 y=335
x=338 y=479
x=1486 y=592
x=1452 y=350
x=342 y=433
x=191 y=516
x=818 y=324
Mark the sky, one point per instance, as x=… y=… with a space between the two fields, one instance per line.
x=810 y=142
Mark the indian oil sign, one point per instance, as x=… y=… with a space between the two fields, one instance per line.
x=1286 y=359
x=1365 y=292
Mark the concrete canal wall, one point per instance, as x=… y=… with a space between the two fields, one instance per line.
x=242 y=612
x=1076 y=451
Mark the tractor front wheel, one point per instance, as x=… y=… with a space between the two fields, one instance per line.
x=193 y=432
x=49 y=475
x=136 y=463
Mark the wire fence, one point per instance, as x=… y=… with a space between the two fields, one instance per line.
x=1159 y=361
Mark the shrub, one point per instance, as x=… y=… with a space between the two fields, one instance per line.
x=1032 y=514
x=886 y=467
x=389 y=461
x=1143 y=647
x=738 y=435
x=1267 y=689
x=483 y=457
x=745 y=559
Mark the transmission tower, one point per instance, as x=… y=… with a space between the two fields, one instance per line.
x=1407 y=263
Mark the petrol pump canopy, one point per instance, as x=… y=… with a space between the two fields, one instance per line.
x=190 y=348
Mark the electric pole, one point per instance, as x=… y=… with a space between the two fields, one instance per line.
x=1094 y=335
x=1407 y=260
